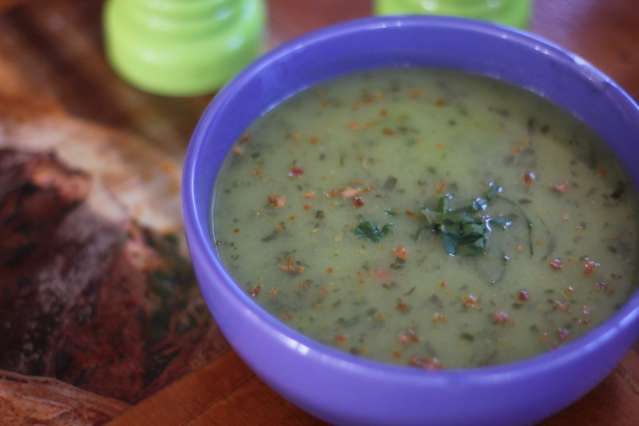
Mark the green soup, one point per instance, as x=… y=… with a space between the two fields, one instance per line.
x=429 y=218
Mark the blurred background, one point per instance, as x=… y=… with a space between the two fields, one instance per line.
x=53 y=51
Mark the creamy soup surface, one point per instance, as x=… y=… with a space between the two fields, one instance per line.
x=428 y=218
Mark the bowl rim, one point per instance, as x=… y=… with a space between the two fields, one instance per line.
x=200 y=236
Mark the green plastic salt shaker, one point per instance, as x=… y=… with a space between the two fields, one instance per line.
x=182 y=47
x=515 y=13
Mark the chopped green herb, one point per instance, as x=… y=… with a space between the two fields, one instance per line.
x=464 y=230
x=372 y=231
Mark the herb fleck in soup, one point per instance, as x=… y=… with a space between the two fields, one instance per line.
x=428 y=218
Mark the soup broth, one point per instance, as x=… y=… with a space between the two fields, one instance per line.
x=429 y=218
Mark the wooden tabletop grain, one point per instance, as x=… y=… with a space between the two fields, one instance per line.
x=52 y=52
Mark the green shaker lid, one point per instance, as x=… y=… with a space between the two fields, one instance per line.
x=182 y=47
x=515 y=13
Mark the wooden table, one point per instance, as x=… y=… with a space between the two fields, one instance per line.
x=51 y=51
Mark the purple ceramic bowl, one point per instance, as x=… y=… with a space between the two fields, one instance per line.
x=339 y=387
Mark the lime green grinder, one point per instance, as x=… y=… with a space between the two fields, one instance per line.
x=182 y=47
x=515 y=13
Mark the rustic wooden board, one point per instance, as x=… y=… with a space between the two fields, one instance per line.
x=51 y=54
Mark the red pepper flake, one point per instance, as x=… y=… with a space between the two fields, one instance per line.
x=309 y=195
x=556 y=264
x=427 y=363
x=602 y=172
x=383 y=113
x=237 y=151
x=340 y=339
x=560 y=187
x=255 y=291
x=329 y=270
x=396 y=354
x=440 y=146
x=402 y=307
x=501 y=317
x=439 y=318
x=529 y=178
x=523 y=295
x=307 y=207
x=358 y=202
x=590 y=266
x=563 y=334
x=401 y=253
x=291 y=266
x=388 y=131
x=408 y=336
x=313 y=140
x=277 y=201
x=470 y=301
x=353 y=125
x=296 y=172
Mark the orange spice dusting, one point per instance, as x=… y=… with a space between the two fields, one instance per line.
x=329 y=270
x=501 y=317
x=529 y=178
x=396 y=354
x=291 y=266
x=560 y=188
x=440 y=102
x=439 y=318
x=277 y=201
x=590 y=266
x=401 y=252
x=309 y=195
x=440 y=146
x=237 y=151
x=411 y=214
x=408 y=336
x=415 y=93
x=255 y=291
x=470 y=301
x=402 y=307
x=350 y=192
x=353 y=125
x=440 y=186
x=427 y=363
x=246 y=138
x=307 y=207
x=313 y=140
